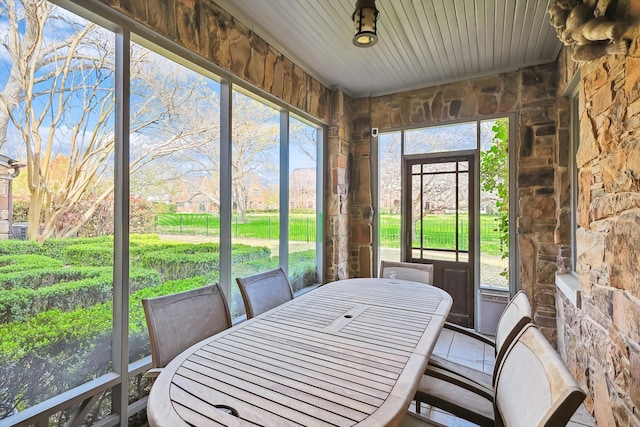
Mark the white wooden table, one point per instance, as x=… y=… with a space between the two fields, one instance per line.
x=348 y=353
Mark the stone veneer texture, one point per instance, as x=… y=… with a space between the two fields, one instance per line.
x=204 y=28
x=601 y=340
x=531 y=93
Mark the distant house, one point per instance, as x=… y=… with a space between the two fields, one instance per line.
x=261 y=196
x=9 y=169
x=197 y=194
x=302 y=189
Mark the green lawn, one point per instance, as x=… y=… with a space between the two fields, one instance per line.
x=438 y=230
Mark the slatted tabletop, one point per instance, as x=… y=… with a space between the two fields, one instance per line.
x=348 y=353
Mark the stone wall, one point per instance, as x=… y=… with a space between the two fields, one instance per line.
x=337 y=195
x=601 y=340
x=531 y=94
x=203 y=27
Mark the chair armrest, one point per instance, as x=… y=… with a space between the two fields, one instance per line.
x=153 y=372
x=459 y=401
x=470 y=333
x=460 y=381
x=481 y=378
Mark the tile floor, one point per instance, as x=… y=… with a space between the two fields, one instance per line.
x=467 y=351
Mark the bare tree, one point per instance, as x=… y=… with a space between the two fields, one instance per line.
x=60 y=98
x=255 y=132
x=390 y=163
x=254 y=156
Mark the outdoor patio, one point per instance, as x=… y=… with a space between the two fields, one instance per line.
x=567 y=83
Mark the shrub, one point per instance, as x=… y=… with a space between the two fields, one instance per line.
x=19 y=247
x=12 y=263
x=55 y=331
x=175 y=265
x=243 y=253
x=20 y=210
x=43 y=277
x=89 y=254
x=19 y=304
x=56 y=248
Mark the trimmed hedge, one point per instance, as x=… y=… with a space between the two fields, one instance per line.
x=13 y=263
x=20 y=304
x=56 y=308
x=55 y=331
x=56 y=248
x=41 y=277
x=174 y=266
x=302 y=268
x=96 y=254
x=19 y=247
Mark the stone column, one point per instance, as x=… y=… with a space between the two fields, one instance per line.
x=339 y=160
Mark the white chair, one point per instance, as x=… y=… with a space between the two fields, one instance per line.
x=533 y=387
x=407 y=271
x=516 y=315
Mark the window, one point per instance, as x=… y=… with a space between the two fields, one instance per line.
x=435 y=207
x=304 y=237
x=390 y=190
x=165 y=178
x=56 y=326
x=174 y=160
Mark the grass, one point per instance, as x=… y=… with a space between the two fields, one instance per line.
x=437 y=230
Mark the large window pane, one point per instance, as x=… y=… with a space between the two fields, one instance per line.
x=174 y=184
x=303 y=172
x=439 y=139
x=57 y=120
x=255 y=182
x=494 y=203
x=390 y=190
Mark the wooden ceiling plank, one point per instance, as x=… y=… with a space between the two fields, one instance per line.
x=538 y=30
x=461 y=39
x=519 y=25
x=432 y=34
x=415 y=37
x=399 y=38
x=419 y=28
x=486 y=15
x=473 y=42
x=447 y=19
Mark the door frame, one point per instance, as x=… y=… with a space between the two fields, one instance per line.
x=514 y=211
x=471 y=157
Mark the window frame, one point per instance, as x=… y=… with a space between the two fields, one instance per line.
x=514 y=254
x=126 y=30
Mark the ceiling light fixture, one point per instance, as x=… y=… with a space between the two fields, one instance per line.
x=365 y=19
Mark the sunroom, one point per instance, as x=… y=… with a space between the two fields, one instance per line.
x=162 y=146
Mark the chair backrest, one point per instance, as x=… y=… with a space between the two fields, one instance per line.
x=516 y=315
x=533 y=386
x=264 y=291
x=407 y=271
x=177 y=321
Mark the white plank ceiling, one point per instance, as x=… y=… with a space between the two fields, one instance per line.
x=421 y=42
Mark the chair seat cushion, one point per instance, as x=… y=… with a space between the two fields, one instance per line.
x=455 y=399
x=481 y=389
x=482 y=378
